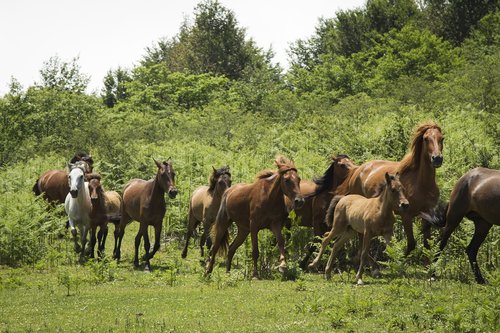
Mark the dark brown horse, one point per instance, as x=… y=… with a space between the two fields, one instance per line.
x=317 y=194
x=476 y=196
x=54 y=183
x=204 y=205
x=254 y=207
x=368 y=217
x=106 y=207
x=418 y=175
x=144 y=201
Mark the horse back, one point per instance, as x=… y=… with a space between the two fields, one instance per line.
x=54 y=185
x=479 y=191
x=198 y=201
x=140 y=204
x=113 y=202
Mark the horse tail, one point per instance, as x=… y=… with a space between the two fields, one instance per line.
x=221 y=226
x=36 y=188
x=437 y=216
x=331 y=210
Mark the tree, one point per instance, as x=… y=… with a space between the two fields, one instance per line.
x=213 y=43
x=115 y=86
x=62 y=75
x=455 y=19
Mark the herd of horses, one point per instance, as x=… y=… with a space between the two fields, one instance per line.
x=349 y=200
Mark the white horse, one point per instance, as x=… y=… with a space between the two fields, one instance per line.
x=78 y=206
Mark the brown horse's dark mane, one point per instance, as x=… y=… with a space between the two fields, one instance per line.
x=216 y=174
x=411 y=161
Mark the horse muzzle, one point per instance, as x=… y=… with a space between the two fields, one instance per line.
x=298 y=203
x=172 y=193
x=404 y=206
x=437 y=160
x=74 y=193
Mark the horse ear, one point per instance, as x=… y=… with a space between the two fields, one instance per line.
x=215 y=170
x=70 y=166
x=158 y=164
x=387 y=178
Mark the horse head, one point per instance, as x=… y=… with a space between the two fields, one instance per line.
x=220 y=179
x=433 y=145
x=341 y=166
x=75 y=178
x=290 y=181
x=396 y=191
x=166 y=177
x=95 y=187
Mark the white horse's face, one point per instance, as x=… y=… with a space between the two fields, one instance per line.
x=75 y=181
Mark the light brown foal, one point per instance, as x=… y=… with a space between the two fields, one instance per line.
x=354 y=214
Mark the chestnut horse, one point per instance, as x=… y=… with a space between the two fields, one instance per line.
x=54 y=183
x=369 y=217
x=476 y=196
x=254 y=207
x=317 y=194
x=204 y=204
x=78 y=206
x=106 y=206
x=144 y=201
x=417 y=171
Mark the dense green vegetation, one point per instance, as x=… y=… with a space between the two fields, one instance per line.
x=210 y=96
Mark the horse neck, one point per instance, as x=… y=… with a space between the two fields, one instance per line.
x=275 y=192
x=385 y=202
x=424 y=172
x=83 y=197
x=156 y=190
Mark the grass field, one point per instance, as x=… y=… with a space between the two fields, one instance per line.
x=61 y=296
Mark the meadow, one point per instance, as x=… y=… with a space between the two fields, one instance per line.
x=210 y=97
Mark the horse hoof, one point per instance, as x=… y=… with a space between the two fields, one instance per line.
x=360 y=282
x=183 y=255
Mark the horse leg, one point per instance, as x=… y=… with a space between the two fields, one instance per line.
x=90 y=250
x=336 y=247
x=324 y=243
x=255 y=251
x=205 y=237
x=192 y=224
x=143 y=229
x=74 y=234
x=238 y=240
x=276 y=229
x=101 y=240
x=364 y=256
x=480 y=232
x=125 y=219
x=313 y=245
x=408 y=229
x=156 y=245
x=85 y=231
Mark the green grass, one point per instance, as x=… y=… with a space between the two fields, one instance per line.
x=175 y=297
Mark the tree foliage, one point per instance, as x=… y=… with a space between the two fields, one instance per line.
x=63 y=75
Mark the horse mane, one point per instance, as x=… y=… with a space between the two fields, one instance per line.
x=326 y=180
x=265 y=174
x=411 y=160
x=91 y=176
x=284 y=164
x=215 y=174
